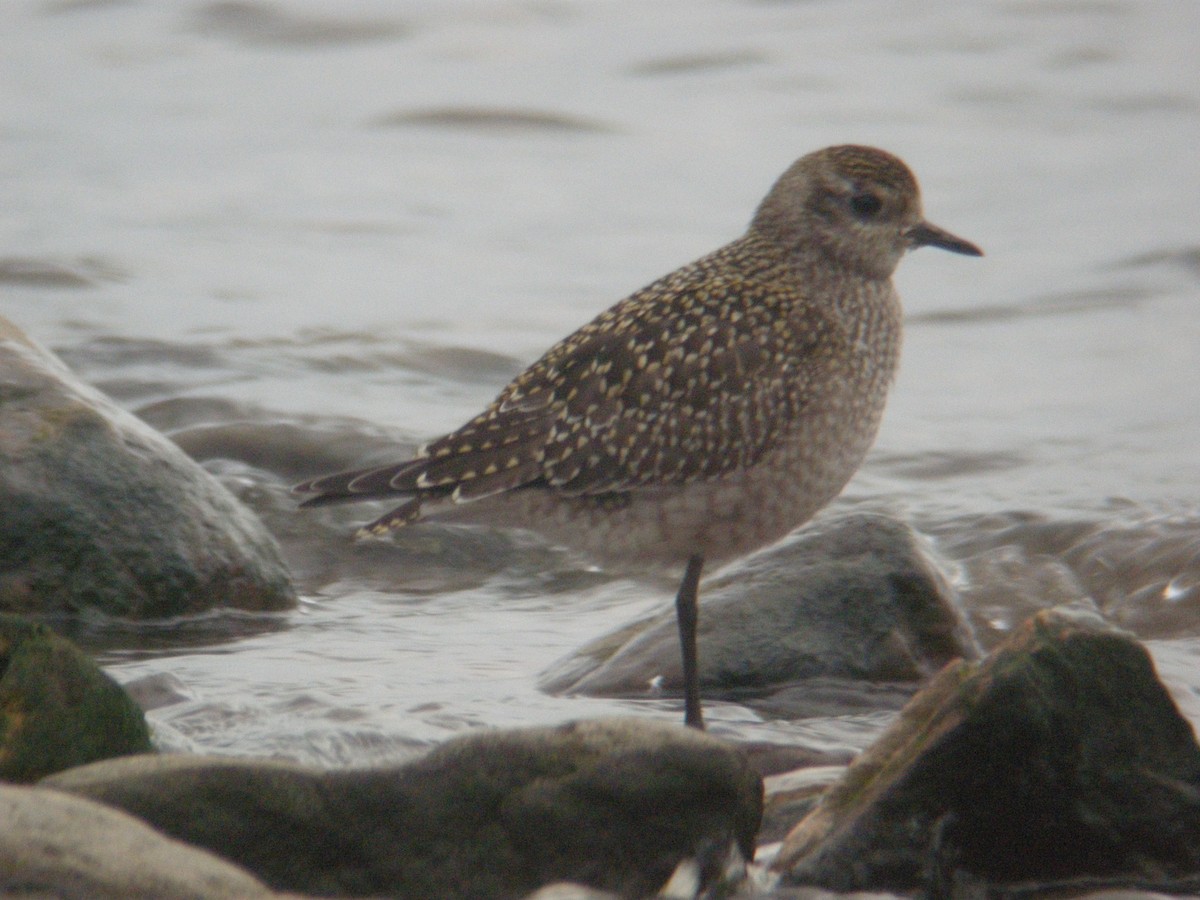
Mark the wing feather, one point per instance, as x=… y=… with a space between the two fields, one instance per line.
x=689 y=378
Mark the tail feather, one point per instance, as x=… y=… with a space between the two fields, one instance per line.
x=374 y=483
x=498 y=482
x=398 y=478
x=402 y=515
x=472 y=473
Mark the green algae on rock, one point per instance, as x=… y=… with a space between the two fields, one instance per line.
x=57 y=708
x=101 y=512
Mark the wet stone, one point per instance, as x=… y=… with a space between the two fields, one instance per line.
x=612 y=804
x=99 y=512
x=55 y=845
x=1058 y=760
x=846 y=616
x=57 y=708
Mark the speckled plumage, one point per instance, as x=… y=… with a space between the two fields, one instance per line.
x=710 y=412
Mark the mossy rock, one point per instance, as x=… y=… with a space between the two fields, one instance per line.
x=1059 y=759
x=615 y=804
x=57 y=708
x=102 y=513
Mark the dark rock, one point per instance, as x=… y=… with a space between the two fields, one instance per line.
x=54 y=845
x=855 y=600
x=57 y=708
x=98 y=511
x=1060 y=757
x=612 y=804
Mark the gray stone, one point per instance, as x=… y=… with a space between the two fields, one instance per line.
x=100 y=512
x=611 y=804
x=70 y=848
x=852 y=601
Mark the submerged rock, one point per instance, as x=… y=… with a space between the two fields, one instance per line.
x=56 y=845
x=1060 y=757
x=612 y=804
x=100 y=512
x=1139 y=569
x=57 y=708
x=836 y=607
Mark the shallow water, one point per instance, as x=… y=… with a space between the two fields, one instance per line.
x=292 y=234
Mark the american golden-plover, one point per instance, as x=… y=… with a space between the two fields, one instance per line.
x=709 y=413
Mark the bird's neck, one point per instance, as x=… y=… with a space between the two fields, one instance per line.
x=864 y=301
x=812 y=250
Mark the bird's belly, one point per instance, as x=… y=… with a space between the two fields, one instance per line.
x=721 y=518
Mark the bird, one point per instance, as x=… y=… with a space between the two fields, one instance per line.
x=704 y=416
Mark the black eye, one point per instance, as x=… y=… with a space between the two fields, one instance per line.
x=865 y=205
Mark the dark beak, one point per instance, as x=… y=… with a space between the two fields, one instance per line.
x=926 y=235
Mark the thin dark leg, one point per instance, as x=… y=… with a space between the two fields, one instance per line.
x=687 y=612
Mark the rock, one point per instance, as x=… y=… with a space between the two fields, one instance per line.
x=778 y=892
x=100 y=512
x=611 y=804
x=1058 y=758
x=56 y=845
x=789 y=796
x=771 y=758
x=156 y=690
x=562 y=890
x=1140 y=568
x=856 y=600
x=57 y=708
